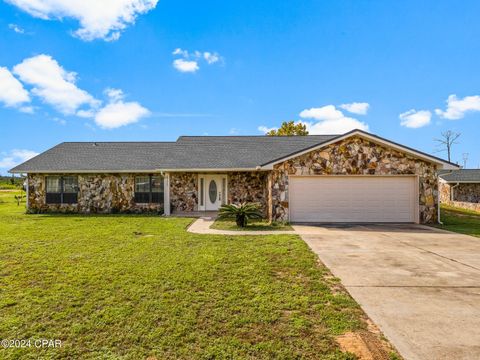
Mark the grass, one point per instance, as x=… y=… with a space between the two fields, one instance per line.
x=132 y=287
x=227 y=224
x=8 y=186
x=11 y=183
x=460 y=220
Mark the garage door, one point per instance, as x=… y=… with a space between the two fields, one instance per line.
x=352 y=199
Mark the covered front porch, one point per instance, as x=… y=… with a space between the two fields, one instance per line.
x=200 y=193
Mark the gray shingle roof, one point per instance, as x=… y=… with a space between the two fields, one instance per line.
x=188 y=152
x=462 y=175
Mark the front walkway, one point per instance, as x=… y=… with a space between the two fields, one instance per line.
x=202 y=226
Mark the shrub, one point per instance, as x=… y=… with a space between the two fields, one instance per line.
x=240 y=212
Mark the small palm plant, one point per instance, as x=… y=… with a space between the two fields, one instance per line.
x=241 y=212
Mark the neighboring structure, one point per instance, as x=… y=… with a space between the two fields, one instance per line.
x=354 y=177
x=460 y=188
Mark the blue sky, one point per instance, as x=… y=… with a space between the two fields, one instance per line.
x=124 y=70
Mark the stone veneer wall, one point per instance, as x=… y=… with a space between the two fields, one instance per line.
x=444 y=190
x=466 y=196
x=464 y=205
x=98 y=193
x=248 y=187
x=184 y=191
x=463 y=192
x=356 y=156
x=467 y=193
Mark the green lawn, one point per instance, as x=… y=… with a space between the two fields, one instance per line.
x=132 y=287
x=226 y=224
x=460 y=220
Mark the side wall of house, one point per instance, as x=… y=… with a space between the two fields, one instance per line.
x=463 y=195
x=97 y=193
x=467 y=193
x=356 y=156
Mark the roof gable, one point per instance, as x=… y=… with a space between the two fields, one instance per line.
x=374 y=138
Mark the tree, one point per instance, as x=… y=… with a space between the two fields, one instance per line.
x=289 y=128
x=446 y=142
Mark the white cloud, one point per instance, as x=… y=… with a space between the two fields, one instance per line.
x=359 y=108
x=181 y=52
x=27 y=109
x=16 y=28
x=99 y=19
x=330 y=120
x=456 y=108
x=56 y=87
x=328 y=112
x=118 y=113
x=189 y=61
x=415 y=119
x=211 y=58
x=265 y=129
x=114 y=94
x=12 y=92
x=53 y=84
x=15 y=157
x=185 y=65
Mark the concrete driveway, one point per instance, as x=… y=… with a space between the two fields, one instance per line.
x=419 y=285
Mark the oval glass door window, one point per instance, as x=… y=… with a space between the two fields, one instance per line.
x=212 y=191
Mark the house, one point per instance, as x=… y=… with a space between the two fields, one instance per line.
x=460 y=188
x=353 y=177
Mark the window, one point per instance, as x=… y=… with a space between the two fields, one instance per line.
x=62 y=189
x=149 y=189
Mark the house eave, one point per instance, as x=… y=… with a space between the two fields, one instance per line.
x=212 y=170
x=81 y=171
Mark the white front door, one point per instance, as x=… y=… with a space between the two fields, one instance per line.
x=212 y=191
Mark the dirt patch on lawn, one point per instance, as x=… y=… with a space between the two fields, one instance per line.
x=365 y=345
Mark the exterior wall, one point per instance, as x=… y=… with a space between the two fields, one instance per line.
x=465 y=205
x=467 y=193
x=241 y=187
x=98 y=193
x=356 y=156
x=183 y=192
x=463 y=192
x=248 y=187
x=463 y=195
x=445 y=191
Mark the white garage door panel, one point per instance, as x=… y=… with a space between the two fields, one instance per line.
x=352 y=199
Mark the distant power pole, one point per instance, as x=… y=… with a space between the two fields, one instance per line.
x=465 y=159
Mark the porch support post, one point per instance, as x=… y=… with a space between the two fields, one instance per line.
x=27 y=190
x=166 y=194
x=270 y=196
